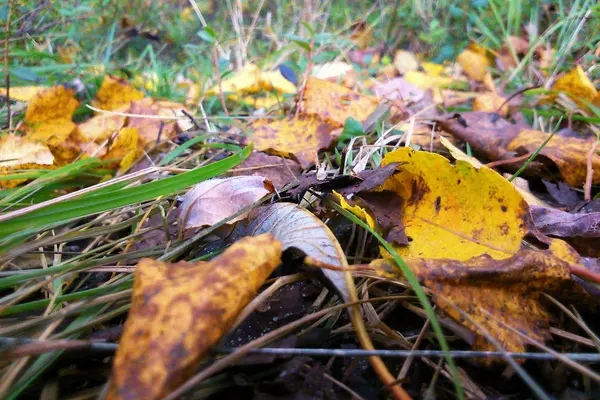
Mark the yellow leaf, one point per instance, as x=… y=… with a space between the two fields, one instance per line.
x=245 y=80
x=116 y=93
x=356 y=210
x=148 y=81
x=474 y=63
x=179 y=311
x=22 y=93
x=125 y=149
x=273 y=80
x=405 y=61
x=18 y=153
x=578 y=86
x=426 y=81
x=492 y=103
x=49 y=113
x=568 y=153
x=456 y=211
x=334 y=103
x=433 y=68
x=298 y=138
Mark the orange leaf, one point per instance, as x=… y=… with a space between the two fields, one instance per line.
x=299 y=138
x=334 y=103
x=179 y=311
x=115 y=93
x=49 y=113
x=125 y=149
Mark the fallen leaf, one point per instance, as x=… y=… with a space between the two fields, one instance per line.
x=299 y=138
x=427 y=81
x=405 y=61
x=336 y=71
x=179 y=311
x=456 y=211
x=474 y=62
x=505 y=58
x=116 y=93
x=491 y=103
x=100 y=127
x=334 y=103
x=277 y=170
x=125 y=149
x=245 y=80
x=22 y=93
x=275 y=81
x=398 y=89
x=213 y=200
x=577 y=86
x=563 y=194
x=361 y=34
x=569 y=154
x=49 y=113
x=433 y=68
x=296 y=227
x=495 y=293
x=19 y=153
x=149 y=128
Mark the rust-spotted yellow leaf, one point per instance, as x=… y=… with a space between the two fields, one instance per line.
x=578 y=86
x=125 y=148
x=492 y=103
x=334 y=103
x=179 y=311
x=49 y=113
x=496 y=294
x=116 y=93
x=298 y=138
x=568 y=153
x=475 y=63
x=22 y=93
x=456 y=211
x=18 y=153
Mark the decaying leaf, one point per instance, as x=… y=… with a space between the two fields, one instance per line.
x=456 y=211
x=299 y=138
x=125 y=149
x=333 y=103
x=277 y=170
x=18 y=152
x=150 y=128
x=100 y=127
x=179 y=311
x=115 y=93
x=578 y=86
x=49 y=113
x=216 y=199
x=495 y=292
x=295 y=227
x=569 y=154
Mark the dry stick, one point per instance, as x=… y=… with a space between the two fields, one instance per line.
x=408 y=362
x=585 y=273
x=306 y=75
x=590 y=172
x=6 y=63
x=240 y=352
x=216 y=62
x=494 y=164
x=313 y=262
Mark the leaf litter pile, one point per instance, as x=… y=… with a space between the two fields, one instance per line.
x=149 y=251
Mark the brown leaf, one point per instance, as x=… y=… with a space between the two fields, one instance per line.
x=149 y=128
x=276 y=169
x=334 y=103
x=567 y=153
x=216 y=199
x=296 y=227
x=299 y=138
x=563 y=194
x=493 y=292
x=179 y=311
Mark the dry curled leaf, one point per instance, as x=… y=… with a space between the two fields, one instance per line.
x=179 y=311
x=299 y=138
x=296 y=227
x=216 y=199
x=333 y=103
x=569 y=154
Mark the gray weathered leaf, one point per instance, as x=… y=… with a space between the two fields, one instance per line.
x=298 y=228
